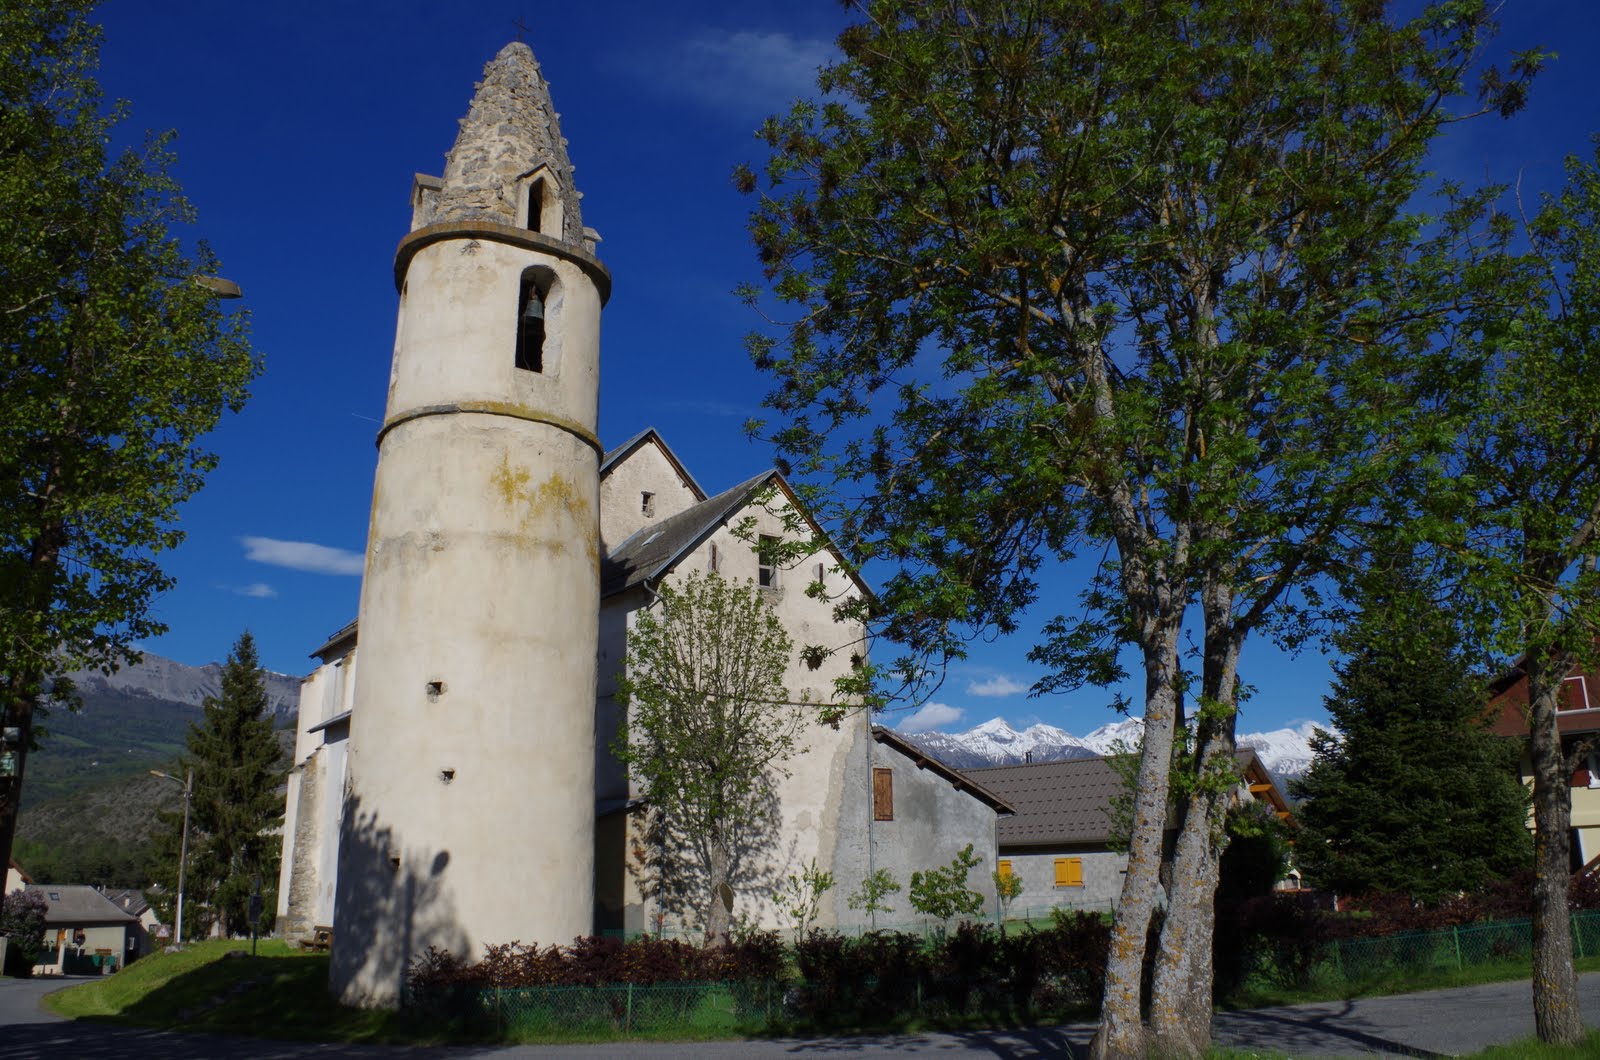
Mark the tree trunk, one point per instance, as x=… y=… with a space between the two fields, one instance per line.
x=17 y=709
x=1181 y=993
x=1555 y=984
x=719 y=913
x=1122 y=1032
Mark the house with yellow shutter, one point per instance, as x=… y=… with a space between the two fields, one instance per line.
x=1062 y=842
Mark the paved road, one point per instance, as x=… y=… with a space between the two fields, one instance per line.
x=1434 y=1024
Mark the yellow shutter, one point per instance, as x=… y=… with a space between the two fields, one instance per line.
x=1069 y=872
x=1005 y=868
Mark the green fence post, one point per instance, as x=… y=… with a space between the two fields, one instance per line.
x=1577 y=931
x=1455 y=932
x=627 y=1018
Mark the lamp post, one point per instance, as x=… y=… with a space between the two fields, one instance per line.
x=183 y=845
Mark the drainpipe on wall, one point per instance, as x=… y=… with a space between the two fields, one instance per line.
x=872 y=916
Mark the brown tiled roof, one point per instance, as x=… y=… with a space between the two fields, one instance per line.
x=1057 y=803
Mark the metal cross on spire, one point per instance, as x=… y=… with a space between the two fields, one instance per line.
x=522 y=28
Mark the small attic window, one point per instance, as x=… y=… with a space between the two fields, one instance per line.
x=715 y=560
x=535 y=206
x=647 y=503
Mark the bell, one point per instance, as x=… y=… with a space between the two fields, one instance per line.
x=534 y=307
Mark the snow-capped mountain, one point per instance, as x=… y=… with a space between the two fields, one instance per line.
x=1285 y=752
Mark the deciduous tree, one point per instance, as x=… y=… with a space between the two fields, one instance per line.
x=708 y=728
x=1529 y=512
x=1144 y=276
x=115 y=360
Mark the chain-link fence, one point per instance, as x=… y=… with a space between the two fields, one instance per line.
x=1354 y=961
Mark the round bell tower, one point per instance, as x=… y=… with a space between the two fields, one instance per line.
x=469 y=809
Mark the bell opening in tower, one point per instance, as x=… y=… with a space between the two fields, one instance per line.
x=530 y=327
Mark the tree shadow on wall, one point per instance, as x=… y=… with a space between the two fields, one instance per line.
x=670 y=866
x=392 y=906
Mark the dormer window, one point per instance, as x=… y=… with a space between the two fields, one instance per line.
x=530 y=327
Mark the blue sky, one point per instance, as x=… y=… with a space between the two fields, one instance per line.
x=300 y=126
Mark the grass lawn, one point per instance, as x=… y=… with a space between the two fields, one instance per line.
x=280 y=993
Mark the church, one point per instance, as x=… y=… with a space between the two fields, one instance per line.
x=453 y=783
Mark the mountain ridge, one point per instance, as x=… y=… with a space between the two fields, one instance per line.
x=1285 y=752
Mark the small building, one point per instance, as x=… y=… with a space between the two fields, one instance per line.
x=150 y=927
x=1578 y=721
x=85 y=934
x=1063 y=842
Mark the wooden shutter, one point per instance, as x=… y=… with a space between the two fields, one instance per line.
x=1004 y=866
x=883 y=794
x=1069 y=872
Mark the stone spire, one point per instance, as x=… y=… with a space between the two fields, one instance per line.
x=511 y=132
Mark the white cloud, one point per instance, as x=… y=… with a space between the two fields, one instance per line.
x=996 y=687
x=931 y=716
x=259 y=590
x=743 y=70
x=302 y=555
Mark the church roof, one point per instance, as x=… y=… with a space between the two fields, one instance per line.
x=655 y=548
x=650 y=434
x=510 y=132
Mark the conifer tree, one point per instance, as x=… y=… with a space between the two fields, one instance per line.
x=1416 y=797
x=237 y=803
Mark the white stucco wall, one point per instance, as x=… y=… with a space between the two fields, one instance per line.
x=646 y=469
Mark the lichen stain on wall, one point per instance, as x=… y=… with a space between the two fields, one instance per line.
x=544 y=504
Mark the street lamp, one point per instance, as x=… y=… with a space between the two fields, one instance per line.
x=183 y=846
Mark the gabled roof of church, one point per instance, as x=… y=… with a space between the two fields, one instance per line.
x=650 y=434
x=656 y=548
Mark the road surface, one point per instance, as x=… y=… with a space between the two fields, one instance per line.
x=1433 y=1024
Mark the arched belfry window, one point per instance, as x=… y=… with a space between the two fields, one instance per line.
x=532 y=322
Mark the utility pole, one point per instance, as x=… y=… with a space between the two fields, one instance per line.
x=183 y=845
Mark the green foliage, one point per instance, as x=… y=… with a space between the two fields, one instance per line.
x=801 y=897
x=872 y=896
x=942 y=893
x=22 y=914
x=1153 y=281
x=1007 y=886
x=237 y=806
x=708 y=727
x=1416 y=796
x=1257 y=854
x=114 y=362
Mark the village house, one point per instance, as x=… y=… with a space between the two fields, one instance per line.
x=1062 y=840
